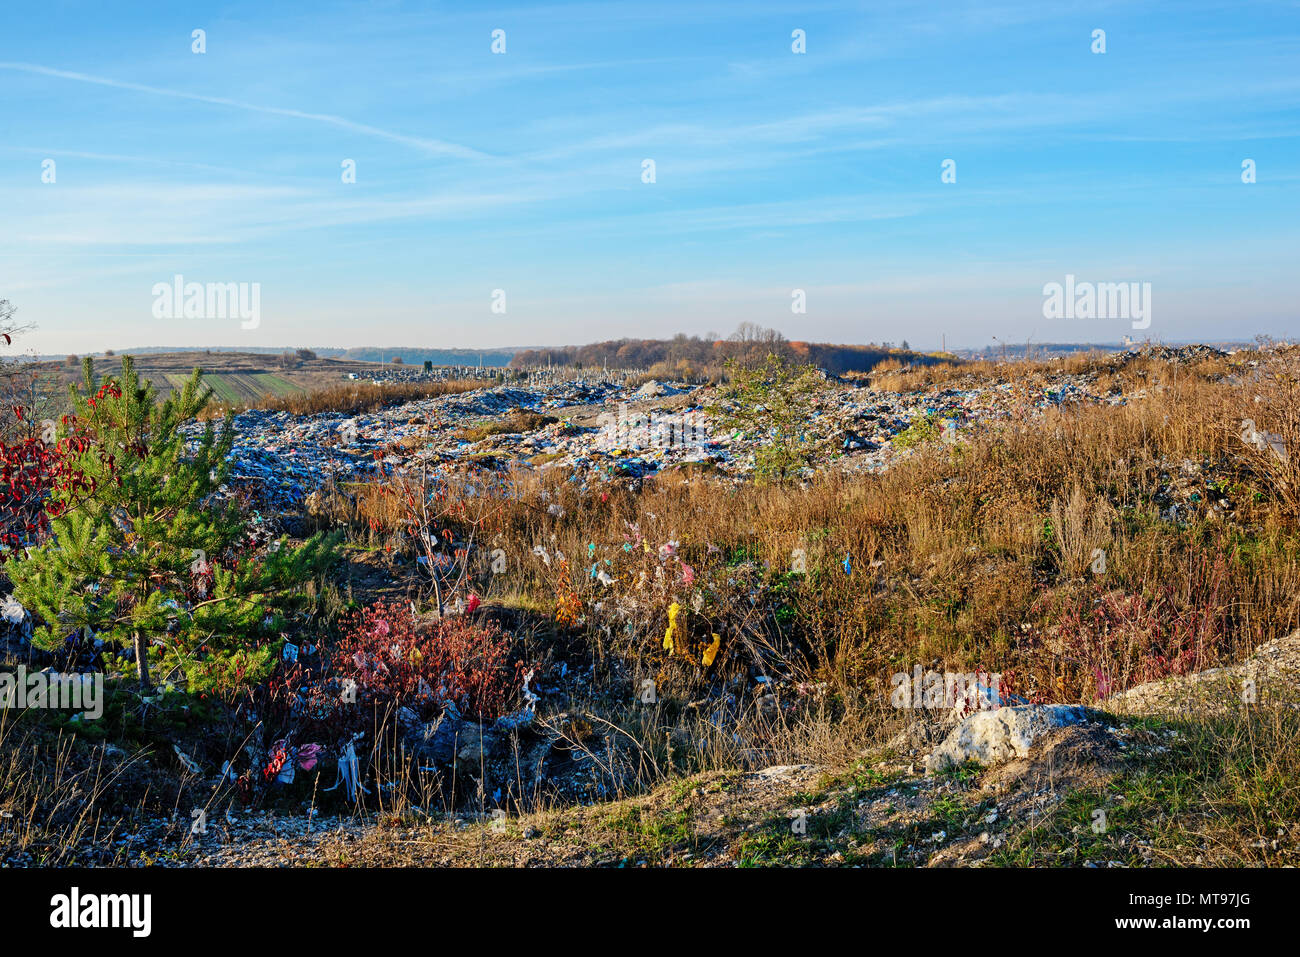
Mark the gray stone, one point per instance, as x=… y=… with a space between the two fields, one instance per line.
x=477 y=744
x=990 y=737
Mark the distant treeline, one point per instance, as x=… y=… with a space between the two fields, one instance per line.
x=693 y=356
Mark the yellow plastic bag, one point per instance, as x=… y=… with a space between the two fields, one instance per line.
x=711 y=652
x=673 y=611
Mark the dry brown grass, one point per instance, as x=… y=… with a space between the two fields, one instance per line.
x=977 y=549
x=975 y=556
x=515 y=423
x=354 y=398
x=50 y=794
x=1221 y=792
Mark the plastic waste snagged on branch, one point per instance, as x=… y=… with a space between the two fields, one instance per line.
x=308 y=755
x=711 y=652
x=524 y=716
x=673 y=610
x=280 y=762
x=349 y=772
x=12 y=611
x=186 y=761
x=1263 y=441
x=848 y=564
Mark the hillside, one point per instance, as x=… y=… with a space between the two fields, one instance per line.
x=236 y=378
x=586 y=619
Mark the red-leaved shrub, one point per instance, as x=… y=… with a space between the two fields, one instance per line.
x=1109 y=640
x=454 y=660
x=31 y=469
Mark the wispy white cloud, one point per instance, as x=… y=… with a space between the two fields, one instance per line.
x=131 y=160
x=430 y=146
x=523 y=171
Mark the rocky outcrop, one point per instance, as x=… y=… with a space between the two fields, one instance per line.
x=991 y=737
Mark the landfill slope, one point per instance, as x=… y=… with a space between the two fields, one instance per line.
x=284 y=457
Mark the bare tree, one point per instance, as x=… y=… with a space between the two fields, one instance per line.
x=19 y=384
x=9 y=329
x=751 y=344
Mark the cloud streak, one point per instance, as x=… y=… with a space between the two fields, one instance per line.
x=431 y=147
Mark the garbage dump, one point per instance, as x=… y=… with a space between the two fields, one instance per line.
x=608 y=425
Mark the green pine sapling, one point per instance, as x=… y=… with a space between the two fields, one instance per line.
x=152 y=558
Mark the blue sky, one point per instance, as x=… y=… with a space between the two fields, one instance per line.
x=522 y=171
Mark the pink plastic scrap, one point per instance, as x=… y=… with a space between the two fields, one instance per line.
x=308 y=755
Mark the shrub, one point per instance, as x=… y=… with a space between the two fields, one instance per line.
x=454 y=661
x=771 y=404
x=31 y=470
x=126 y=562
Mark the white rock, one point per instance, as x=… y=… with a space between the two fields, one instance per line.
x=782 y=772
x=989 y=737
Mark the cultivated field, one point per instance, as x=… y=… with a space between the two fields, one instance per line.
x=236 y=378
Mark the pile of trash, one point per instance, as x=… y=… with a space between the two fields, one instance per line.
x=1180 y=354
x=402 y=373
x=284 y=456
x=605 y=427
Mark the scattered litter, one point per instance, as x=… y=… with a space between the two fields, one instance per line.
x=605 y=428
x=188 y=763
x=1263 y=441
x=711 y=652
x=349 y=774
x=673 y=610
x=524 y=716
